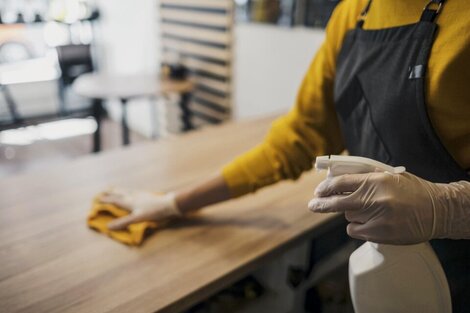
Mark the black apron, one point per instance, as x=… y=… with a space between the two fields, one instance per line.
x=379 y=99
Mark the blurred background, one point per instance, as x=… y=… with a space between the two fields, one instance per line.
x=83 y=76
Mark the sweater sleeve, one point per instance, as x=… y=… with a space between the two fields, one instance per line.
x=309 y=129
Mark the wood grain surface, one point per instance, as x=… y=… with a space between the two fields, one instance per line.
x=51 y=262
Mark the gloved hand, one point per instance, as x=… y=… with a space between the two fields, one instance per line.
x=396 y=208
x=143 y=205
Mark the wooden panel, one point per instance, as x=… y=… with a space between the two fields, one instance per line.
x=206 y=49
x=208 y=67
x=175 y=86
x=197 y=49
x=51 y=262
x=223 y=87
x=211 y=36
x=220 y=101
x=199 y=122
x=201 y=65
x=195 y=106
x=212 y=4
x=194 y=17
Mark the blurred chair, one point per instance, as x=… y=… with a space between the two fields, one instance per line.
x=12 y=51
x=74 y=60
x=11 y=105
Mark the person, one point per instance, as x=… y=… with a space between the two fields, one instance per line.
x=389 y=83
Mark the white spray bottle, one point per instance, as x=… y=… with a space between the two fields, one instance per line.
x=388 y=278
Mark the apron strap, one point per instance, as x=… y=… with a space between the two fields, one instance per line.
x=429 y=14
x=364 y=12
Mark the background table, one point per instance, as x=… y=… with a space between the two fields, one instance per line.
x=51 y=262
x=100 y=87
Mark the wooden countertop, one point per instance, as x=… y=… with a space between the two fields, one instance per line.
x=51 y=262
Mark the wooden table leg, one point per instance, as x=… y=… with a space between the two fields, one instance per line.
x=97 y=112
x=11 y=105
x=153 y=117
x=186 y=113
x=125 y=127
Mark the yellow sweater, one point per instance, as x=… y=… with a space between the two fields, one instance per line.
x=311 y=127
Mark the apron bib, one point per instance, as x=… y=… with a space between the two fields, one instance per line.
x=379 y=98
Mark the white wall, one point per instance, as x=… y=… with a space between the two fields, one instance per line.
x=128 y=32
x=128 y=44
x=270 y=63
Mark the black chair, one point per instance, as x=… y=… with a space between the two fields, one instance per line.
x=74 y=60
x=12 y=51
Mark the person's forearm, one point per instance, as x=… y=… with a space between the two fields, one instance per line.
x=211 y=191
x=453 y=217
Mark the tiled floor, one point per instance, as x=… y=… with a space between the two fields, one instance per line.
x=20 y=158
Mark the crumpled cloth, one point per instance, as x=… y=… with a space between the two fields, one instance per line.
x=103 y=213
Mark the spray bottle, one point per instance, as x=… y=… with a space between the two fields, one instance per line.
x=388 y=278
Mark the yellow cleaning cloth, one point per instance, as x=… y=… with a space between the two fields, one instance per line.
x=103 y=213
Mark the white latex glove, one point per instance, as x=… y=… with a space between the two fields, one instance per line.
x=143 y=205
x=396 y=208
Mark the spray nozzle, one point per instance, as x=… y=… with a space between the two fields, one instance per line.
x=342 y=164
